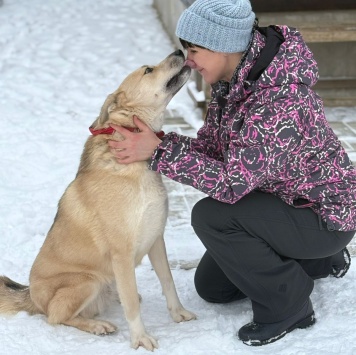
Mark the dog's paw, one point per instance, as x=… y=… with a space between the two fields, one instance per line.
x=101 y=327
x=145 y=340
x=182 y=315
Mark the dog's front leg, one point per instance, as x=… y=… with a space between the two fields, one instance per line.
x=158 y=258
x=124 y=270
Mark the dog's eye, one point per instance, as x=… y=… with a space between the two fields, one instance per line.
x=148 y=70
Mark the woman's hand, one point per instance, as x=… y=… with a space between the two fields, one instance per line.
x=135 y=146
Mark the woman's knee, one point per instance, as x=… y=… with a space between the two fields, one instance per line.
x=211 y=283
x=203 y=286
x=215 y=293
x=206 y=213
x=198 y=211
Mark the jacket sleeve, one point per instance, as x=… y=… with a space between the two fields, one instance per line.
x=206 y=142
x=255 y=152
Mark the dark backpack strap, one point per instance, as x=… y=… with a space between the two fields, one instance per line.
x=274 y=39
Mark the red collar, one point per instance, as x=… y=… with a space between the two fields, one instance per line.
x=111 y=130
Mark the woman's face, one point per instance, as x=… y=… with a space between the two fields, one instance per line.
x=213 y=66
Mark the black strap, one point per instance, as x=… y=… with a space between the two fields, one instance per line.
x=274 y=39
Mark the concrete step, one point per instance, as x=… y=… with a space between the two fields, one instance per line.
x=337 y=92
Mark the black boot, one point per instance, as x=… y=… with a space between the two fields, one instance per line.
x=256 y=334
x=340 y=263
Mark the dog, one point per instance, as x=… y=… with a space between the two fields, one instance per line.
x=108 y=219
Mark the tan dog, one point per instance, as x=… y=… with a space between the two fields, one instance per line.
x=108 y=219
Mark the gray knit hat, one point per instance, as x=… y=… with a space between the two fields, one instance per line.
x=219 y=25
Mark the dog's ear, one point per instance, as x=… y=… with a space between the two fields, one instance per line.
x=108 y=106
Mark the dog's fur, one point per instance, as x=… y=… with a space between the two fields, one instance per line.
x=109 y=217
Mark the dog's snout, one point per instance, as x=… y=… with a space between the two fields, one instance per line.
x=178 y=52
x=175 y=59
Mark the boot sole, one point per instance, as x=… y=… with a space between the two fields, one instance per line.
x=304 y=323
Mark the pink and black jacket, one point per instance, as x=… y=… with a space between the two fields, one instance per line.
x=267 y=131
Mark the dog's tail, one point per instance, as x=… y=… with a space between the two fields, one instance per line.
x=15 y=297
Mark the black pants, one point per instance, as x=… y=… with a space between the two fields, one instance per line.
x=262 y=248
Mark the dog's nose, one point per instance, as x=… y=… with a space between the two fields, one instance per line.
x=178 y=53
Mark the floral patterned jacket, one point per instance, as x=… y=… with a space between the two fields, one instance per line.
x=268 y=134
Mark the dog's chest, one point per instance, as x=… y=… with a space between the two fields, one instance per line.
x=151 y=213
x=152 y=192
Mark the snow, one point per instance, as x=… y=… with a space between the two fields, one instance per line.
x=59 y=61
x=199 y=96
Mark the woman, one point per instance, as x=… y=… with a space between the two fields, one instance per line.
x=281 y=189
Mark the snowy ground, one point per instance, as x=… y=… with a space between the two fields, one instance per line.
x=58 y=61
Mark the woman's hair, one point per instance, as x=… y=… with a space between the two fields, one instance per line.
x=185 y=44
